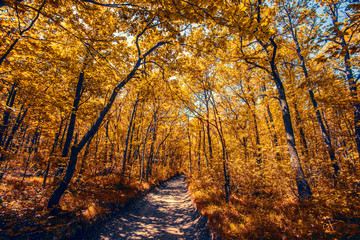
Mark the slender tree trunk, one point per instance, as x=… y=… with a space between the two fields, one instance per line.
x=52 y=151
x=272 y=131
x=23 y=132
x=86 y=153
x=131 y=144
x=128 y=134
x=31 y=149
x=63 y=135
x=257 y=139
x=304 y=190
x=353 y=92
x=189 y=147
x=199 y=153
x=245 y=147
x=150 y=160
x=204 y=144
x=349 y=76
x=208 y=127
x=219 y=129
x=14 y=129
x=106 y=145
x=71 y=127
x=272 y=124
x=298 y=122
x=70 y=131
x=142 y=163
x=131 y=156
x=161 y=144
x=3 y=57
x=9 y=103
x=324 y=132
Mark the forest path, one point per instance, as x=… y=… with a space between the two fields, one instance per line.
x=167 y=212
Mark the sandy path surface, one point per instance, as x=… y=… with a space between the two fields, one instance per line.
x=167 y=212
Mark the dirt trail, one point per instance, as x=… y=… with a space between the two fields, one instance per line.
x=167 y=212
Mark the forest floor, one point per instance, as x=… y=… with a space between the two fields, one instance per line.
x=23 y=213
x=167 y=212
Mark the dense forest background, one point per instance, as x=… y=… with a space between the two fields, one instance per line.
x=256 y=101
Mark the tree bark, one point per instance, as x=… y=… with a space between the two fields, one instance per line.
x=71 y=126
x=70 y=131
x=204 y=144
x=199 y=153
x=208 y=127
x=31 y=149
x=257 y=138
x=128 y=135
x=349 y=76
x=218 y=126
x=18 y=121
x=303 y=187
x=53 y=204
x=57 y=135
x=9 y=103
x=324 y=132
x=298 y=121
x=189 y=147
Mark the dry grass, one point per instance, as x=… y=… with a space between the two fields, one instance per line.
x=267 y=212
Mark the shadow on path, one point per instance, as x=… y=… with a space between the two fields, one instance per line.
x=167 y=212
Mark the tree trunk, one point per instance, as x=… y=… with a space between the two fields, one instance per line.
x=208 y=126
x=189 y=147
x=31 y=149
x=199 y=153
x=324 y=133
x=128 y=134
x=303 y=187
x=63 y=135
x=353 y=92
x=257 y=138
x=53 y=204
x=9 y=103
x=57 y=135
x=298 y=122
x=150 y=160
x=272 y=131
x=70 y=129
x=204 y=144
x=86 y=153
x=219 y=129
x=14 y=129
x=349 y=76
x=142 y=163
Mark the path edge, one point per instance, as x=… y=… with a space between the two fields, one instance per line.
x=213 y=233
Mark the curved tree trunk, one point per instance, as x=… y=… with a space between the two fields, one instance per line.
x=53 y=204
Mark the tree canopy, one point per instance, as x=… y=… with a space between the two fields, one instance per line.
x=256 y=101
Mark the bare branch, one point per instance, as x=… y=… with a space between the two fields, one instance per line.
x=113 y=5
x=34 y=20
